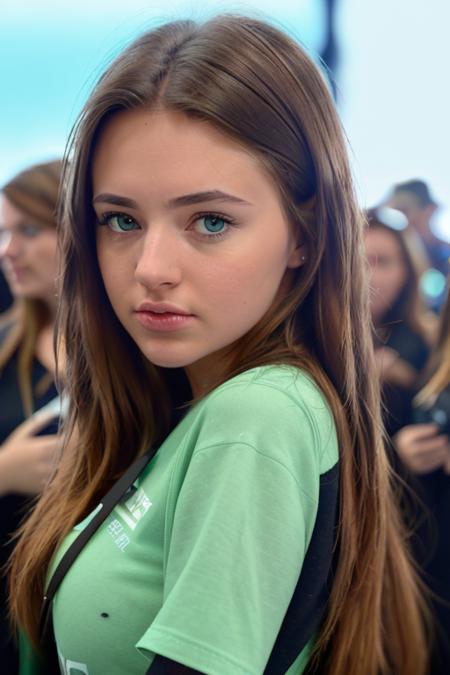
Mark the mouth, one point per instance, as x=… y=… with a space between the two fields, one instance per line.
x=161 y=308
x=15 y=272
x=162 y=317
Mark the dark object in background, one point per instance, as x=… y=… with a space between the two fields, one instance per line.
x=5 y=294
x=438 y=412
x=330 y=51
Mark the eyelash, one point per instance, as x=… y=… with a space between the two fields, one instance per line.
x=213 y=214
x=105 y=217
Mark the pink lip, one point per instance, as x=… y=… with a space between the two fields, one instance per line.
x=161 y=308
x=16 y=272
x=162 y=316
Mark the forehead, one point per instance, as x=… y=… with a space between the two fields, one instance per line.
x=165 y=148
x=382 y=240
x=10 y=215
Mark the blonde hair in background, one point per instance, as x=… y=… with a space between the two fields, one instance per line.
x=440 y=362
x=35 y=192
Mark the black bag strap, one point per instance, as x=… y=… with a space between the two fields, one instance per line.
x=106 y=506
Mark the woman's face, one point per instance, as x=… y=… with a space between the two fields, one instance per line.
x=192 y=241
x=28 y=253
x=388 y=272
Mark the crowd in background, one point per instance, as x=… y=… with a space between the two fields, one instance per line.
x=412 y=348
x=411 y=332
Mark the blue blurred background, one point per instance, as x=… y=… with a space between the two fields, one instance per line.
x=389 y=69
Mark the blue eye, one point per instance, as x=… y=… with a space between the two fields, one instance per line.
x=211 y=224
x=30 y=231
x=119 y=222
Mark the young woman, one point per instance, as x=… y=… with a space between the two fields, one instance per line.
x=404 y=329
x=215 y=310
x=28 y=250
x=424 y=449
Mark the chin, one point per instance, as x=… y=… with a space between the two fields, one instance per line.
x=26 y=295
x=168 y=361
x=19 y=293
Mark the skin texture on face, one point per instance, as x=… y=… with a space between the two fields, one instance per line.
x=28 y=254
x=388 y=273
x=190 y=222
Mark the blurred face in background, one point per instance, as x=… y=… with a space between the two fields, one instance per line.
x=28 y=254
x=388 y=271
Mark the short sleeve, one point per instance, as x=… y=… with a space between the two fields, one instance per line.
x=240 y=531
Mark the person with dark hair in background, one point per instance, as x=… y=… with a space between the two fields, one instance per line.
x=424 y=449
x=214 y=312
x=404 y=329
x=413 y=198
x=28 y=253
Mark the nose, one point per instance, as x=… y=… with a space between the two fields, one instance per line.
x=159 y=259
x=9 y=244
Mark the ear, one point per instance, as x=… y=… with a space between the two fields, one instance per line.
x=298 y=256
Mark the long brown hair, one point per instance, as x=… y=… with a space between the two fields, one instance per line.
x=255 y=84
x=33 y=191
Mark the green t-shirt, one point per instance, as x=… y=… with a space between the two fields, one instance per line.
x=200 y=559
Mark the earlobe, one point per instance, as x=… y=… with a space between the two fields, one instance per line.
x=298 y=257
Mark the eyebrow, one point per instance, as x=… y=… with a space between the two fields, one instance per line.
x=176 y=202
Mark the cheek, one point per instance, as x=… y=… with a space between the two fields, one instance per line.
x=45 y=249
x=243 y=289
x=390 y=284
x=112 y=281
x=116 y=267
x=117 y=283
x=397 y=275
x=398 y=280
x=109 y=272
x=379 y=278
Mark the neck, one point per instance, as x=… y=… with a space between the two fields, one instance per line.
x=51 y=305
x=204 y=375
x=44 y=347
x=201 y=382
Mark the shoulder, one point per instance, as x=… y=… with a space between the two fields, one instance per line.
x=268 y=391
x=277 y=409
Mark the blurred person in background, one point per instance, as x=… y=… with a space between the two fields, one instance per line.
x=424 y=450
x=413 y=198
x=28 y=254
x=403 y=328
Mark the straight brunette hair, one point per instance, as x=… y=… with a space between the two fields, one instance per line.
x=254 y=84
x=33 y=191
